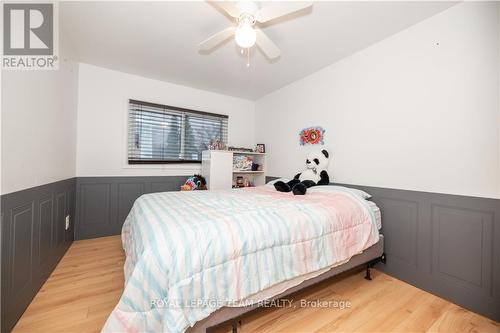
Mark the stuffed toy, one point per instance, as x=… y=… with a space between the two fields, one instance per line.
x=195 y=182
x=314 y=174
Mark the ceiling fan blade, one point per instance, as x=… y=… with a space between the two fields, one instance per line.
x=216 y=39
x=278 y=9
x=228 y=7
x=266 y=45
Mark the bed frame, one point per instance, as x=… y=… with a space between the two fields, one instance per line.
x=233 y=315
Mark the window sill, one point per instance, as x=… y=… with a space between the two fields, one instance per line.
x=162 y=162
x=171 y=166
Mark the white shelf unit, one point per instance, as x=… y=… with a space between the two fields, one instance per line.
x=217 y=168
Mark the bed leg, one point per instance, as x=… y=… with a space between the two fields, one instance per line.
x=235 y=325
x=372 y=263
x=368 y=275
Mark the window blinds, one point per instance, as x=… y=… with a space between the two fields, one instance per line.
x=166 y=134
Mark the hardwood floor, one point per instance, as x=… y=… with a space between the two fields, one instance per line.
x=81 y=292
x=87 y=283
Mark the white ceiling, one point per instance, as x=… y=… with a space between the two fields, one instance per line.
x=159 y=40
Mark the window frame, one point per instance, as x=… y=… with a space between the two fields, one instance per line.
x=173 y=108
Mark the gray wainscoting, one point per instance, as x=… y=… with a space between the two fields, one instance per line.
x=34 y=239
x=446 y=244
x=103 y=203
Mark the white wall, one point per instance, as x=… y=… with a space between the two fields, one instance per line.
x=102 y=119
x=417 y=111
x=38 y=127
x=404 y=113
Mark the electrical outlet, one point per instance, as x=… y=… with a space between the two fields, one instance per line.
x=67 y=222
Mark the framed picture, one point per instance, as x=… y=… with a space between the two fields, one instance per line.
x=260 y=148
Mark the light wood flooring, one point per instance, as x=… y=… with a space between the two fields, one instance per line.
x=87 y=283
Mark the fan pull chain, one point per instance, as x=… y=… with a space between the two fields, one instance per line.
x=248 y=57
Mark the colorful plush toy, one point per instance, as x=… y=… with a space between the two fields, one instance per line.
x=314 y=174
x=196 y=182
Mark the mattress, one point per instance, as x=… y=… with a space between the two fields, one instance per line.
x=376 y=212
x=191 y=253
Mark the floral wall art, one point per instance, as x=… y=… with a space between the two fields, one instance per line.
x=312 y=136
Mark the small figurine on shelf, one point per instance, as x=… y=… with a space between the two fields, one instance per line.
x=217 y=144
x=239 y=181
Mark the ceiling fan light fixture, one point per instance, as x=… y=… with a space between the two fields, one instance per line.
x=245 y=36
x=248 y=14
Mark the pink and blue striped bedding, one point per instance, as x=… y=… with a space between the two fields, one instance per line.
x=190 y=253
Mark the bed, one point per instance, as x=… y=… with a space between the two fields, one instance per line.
x=197 y=259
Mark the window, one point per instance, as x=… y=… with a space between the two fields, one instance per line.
x=166 y=134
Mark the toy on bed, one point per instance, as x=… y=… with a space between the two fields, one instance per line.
x=314 y=174
x=196 y=182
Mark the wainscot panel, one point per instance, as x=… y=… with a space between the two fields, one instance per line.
x=34 y=239
x=446 y=244
x=103 y=203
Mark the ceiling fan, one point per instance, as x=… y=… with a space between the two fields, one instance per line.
x=248 y=15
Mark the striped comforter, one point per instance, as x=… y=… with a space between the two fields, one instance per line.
x=190 y=253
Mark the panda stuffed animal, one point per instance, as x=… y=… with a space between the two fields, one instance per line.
x=314 y=174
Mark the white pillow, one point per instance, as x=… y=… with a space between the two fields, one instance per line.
x=360 y=193
x=271 y=183
x=355 y=191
